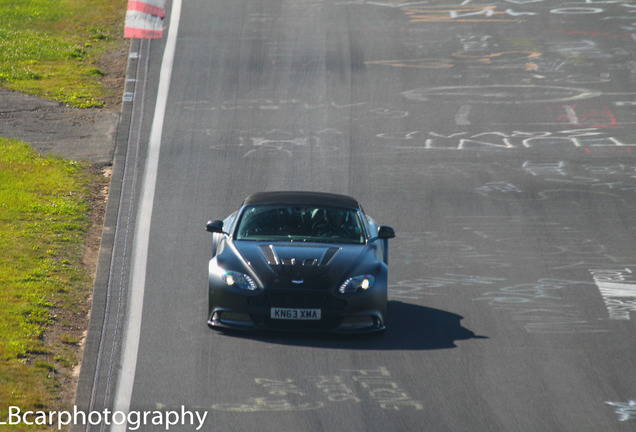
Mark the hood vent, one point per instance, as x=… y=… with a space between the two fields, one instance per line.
x=270 y=254
x=328 y=256
x=298 y=255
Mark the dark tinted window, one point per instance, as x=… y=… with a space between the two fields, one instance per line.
x=300 y=223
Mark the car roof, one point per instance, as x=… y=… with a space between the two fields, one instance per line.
x=301 y=197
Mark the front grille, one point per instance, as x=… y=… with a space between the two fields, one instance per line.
x=329 y=305
x=261 y=301
x=298 y=300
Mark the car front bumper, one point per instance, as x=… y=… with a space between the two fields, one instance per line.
x=351 y=313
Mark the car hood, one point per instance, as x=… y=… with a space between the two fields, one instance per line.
x=311 y=266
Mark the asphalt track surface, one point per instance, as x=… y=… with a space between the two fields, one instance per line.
x=495 y=136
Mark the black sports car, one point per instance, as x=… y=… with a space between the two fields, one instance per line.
x=298 y=261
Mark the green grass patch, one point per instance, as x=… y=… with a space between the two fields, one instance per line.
x=43 y=220
x=50 y=48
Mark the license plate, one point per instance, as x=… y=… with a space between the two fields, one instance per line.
x=295 y=314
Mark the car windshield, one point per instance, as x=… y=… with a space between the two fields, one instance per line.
x=300 y=223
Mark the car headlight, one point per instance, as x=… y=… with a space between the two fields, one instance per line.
x=238 y=280
x=358 y=283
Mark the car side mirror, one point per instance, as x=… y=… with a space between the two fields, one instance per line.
x=214 y=226
x=386 y=232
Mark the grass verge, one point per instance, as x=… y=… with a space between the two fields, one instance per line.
x=51 y=48
x=45 y=207
x=61 y=50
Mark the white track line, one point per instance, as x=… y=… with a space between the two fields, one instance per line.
x=134 y=309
